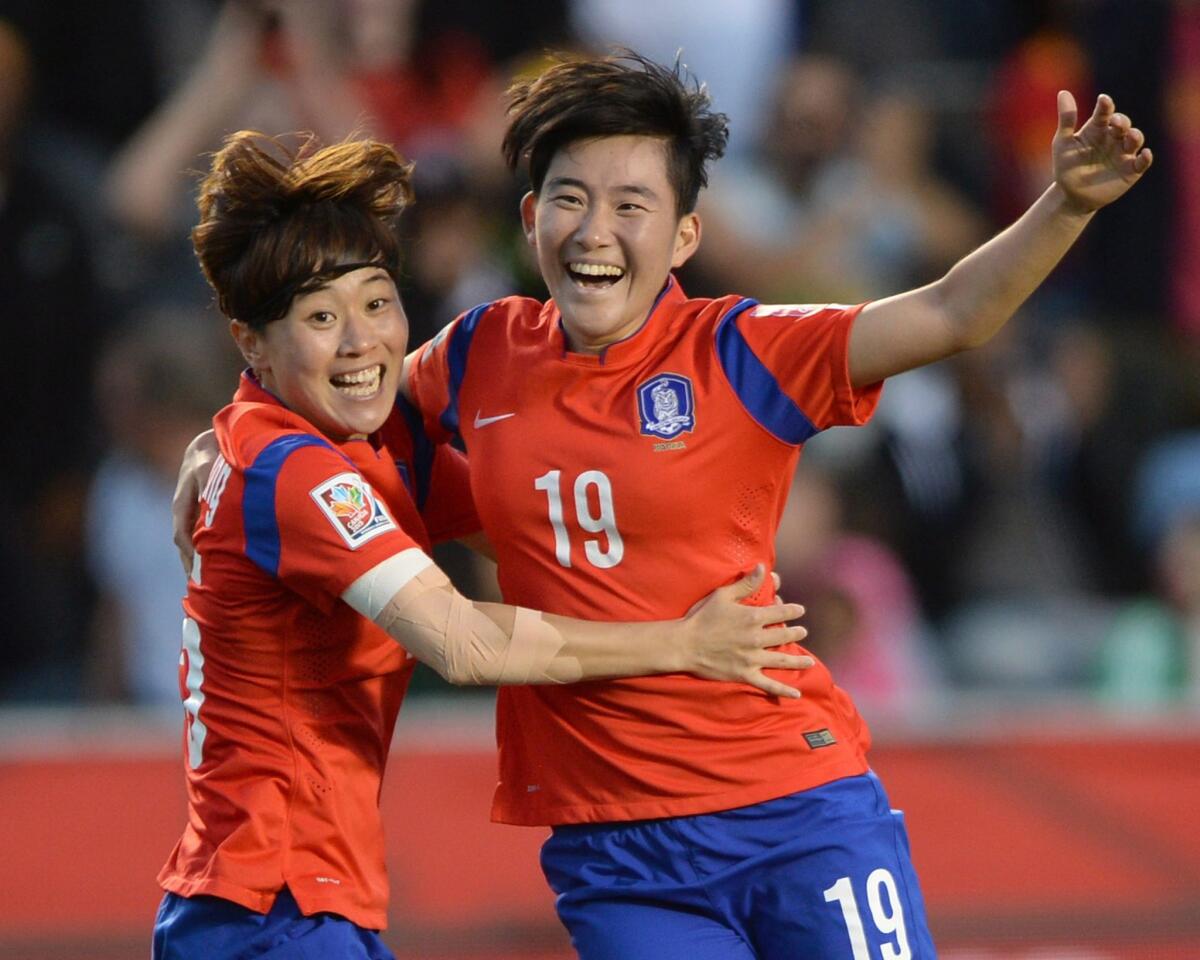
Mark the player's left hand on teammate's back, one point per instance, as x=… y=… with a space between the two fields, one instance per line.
x=185 y=505
x=729 y=640
x=1100 y=161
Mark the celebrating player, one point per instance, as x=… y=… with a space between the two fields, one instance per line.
x=312 y=562
x=627 y=444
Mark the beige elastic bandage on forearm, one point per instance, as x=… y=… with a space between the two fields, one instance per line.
x=415 y=603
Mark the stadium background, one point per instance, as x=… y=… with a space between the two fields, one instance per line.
x=1004 y=570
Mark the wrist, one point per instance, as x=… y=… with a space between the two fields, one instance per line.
x=681 y=650
x=1068 y=206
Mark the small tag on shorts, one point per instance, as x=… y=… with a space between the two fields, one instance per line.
x=820 y=738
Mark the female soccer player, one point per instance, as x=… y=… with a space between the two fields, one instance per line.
x=634 y=441
x=311 y=588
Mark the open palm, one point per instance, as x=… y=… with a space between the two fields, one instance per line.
x=1102 y=159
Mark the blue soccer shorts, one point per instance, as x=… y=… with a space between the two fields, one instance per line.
x=825 y=873
x=211 y=928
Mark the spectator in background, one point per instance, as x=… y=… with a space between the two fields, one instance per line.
x=455 y=261
x=1047 y=60
x=97 y=70
x=704 y=34
x=54 y=316
x=862 y=612
x=329 y=66
x=157 y=385
x=840 y=210
x=1151 y=654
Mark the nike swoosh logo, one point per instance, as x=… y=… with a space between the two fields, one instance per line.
x=484 y=421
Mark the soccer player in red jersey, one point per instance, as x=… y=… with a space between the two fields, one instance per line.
x=311 y=589
x=627 y=446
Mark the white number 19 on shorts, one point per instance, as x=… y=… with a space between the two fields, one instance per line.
x=888 y=917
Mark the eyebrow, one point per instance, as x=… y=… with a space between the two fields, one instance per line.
x=378 y=276
x=635 y=188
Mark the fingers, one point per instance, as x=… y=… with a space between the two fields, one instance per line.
x=785 y=635
x=776 y=637
x=777 y=613
x=750 y=583
x=775 y=579
x=773 y=687
x=1068 y=113
x=788 y=661
x=780 y=661
x=1131 y=142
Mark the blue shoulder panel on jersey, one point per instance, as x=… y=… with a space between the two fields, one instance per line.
x=755 y=385
x=456 y=355
x=422 y=451
x=258 y=499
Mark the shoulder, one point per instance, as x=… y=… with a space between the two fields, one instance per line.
x=493 y=317
x=705 y=315
x=250 y=434
x=495 y=327
x=510 y=316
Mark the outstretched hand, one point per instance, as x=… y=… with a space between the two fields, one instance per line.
x=1100 y=161
x=730 y=642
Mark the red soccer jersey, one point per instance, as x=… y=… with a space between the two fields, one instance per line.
x=290 y=695
x=625 y=486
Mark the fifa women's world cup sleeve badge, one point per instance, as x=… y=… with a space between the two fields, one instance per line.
x=350 y=505
x=666 y=406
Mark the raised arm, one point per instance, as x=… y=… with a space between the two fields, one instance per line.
x=1093 y=166
x=149 y=174
x=489 y=643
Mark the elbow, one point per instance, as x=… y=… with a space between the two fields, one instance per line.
x=460 y=677
x=963 y=329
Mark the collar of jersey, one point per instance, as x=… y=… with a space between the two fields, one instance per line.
x=251 y=390
x=629 y=349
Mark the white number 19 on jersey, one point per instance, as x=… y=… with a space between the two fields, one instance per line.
x=603 y=520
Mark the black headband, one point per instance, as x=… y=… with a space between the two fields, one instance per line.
x=276 y=305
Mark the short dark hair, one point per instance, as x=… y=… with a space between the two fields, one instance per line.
x=622 y=93
x=278 y=220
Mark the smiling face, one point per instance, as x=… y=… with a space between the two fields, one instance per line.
x=335 y=356
x=606 y=232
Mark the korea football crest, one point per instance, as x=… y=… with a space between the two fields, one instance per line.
x=666 y=406
x=348 y=503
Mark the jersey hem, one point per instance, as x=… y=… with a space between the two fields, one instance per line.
x=257 y=900
x=676 y=806
x=262 y=901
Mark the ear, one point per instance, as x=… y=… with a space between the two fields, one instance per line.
x=687 y=239
x=251 y=343
x=529 y=217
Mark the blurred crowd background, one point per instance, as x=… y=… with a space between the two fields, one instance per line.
x=1024 y=520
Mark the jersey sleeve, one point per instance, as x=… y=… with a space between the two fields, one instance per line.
x=439 y=479
x=436 y=372
x=449 y=511
x=313 y=521
x=789 y=366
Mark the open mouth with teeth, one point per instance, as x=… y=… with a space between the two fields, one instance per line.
x=360 y=383
x=594 y=275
